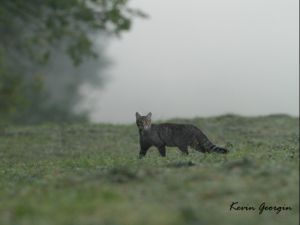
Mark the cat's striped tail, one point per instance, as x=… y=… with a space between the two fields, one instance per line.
x=218 y=150
x=206 y=145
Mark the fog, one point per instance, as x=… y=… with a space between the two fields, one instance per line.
x=202 y=58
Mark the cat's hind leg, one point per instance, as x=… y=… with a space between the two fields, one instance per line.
x=184 y=149
x=197 y=146
x=162 y=151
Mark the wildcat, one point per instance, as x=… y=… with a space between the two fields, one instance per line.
x=172 y=135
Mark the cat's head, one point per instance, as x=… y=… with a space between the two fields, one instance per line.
x=143 y=122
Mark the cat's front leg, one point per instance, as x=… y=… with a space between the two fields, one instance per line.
x=143 y=149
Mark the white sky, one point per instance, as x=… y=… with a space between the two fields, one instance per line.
x=203 y=58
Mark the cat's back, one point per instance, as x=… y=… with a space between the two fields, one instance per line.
x=174 y=127
x=172 y=134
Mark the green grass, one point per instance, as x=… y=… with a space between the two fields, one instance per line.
x=89 y=174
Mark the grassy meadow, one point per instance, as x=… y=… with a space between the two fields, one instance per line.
x=88 y=174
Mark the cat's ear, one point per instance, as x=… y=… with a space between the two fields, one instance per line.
x=149 y=115
x=137 y=115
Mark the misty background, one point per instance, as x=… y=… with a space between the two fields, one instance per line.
x=67 y=61
x=201 y=58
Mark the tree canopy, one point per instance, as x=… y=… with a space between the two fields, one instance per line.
x=36 y=33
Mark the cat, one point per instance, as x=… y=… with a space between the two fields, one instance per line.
x=172 y=135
